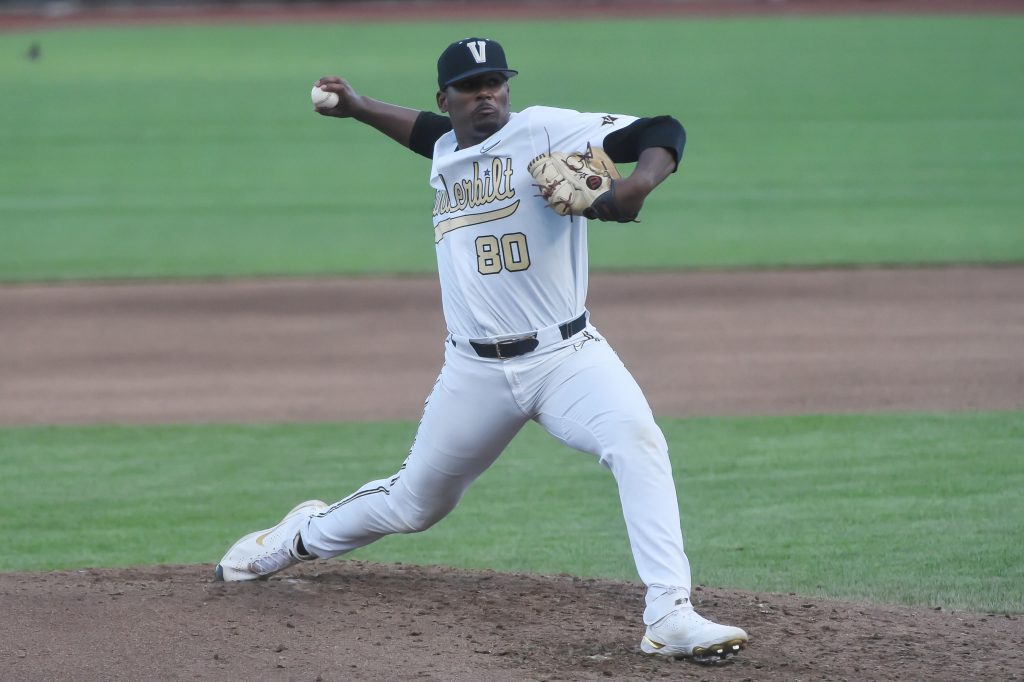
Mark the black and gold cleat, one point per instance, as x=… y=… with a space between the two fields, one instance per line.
x=718 y=653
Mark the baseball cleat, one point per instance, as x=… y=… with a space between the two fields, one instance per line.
x=683 y=633
x=265 y=552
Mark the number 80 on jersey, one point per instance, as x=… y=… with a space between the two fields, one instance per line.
x=508 y=252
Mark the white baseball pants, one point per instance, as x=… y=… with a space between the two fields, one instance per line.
x=581 y=393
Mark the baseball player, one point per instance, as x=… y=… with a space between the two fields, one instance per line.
x=512 y=193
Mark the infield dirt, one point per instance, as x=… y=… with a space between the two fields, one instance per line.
x=714 y=343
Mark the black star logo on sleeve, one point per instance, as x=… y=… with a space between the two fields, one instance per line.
x=608 y=120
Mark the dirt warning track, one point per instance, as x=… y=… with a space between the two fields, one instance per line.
x=781 y=342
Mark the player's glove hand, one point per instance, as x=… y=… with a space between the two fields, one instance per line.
x=581 y=183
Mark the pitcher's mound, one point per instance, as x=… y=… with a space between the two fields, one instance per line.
x=349 y=620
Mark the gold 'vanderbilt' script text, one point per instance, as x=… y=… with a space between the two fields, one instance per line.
x=495 y=185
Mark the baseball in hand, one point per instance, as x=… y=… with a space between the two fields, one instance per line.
x=322 y=99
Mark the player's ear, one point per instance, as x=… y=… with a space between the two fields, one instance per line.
x=442 y=101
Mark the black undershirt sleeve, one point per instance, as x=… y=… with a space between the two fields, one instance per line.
x=624 y=146
x=426 y=131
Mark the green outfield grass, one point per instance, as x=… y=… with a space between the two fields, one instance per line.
x=192 y=151
x=919 y=509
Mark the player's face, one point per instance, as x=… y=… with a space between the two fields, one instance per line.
x=477 y=106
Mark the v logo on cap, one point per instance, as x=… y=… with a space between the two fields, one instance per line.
x=478 y=50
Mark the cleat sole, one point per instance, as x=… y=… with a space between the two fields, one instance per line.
x=715 y=654
x=718 y=653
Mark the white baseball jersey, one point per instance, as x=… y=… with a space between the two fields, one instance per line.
x=508 y=264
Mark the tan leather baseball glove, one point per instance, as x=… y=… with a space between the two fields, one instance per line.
x=580 y=183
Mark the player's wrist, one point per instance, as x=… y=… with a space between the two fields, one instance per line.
x=364 y=109
x=634 y=188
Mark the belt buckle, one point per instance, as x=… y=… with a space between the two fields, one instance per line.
x=511 y=342
x=497 y=348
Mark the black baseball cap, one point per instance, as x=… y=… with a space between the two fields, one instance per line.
x=471 y=57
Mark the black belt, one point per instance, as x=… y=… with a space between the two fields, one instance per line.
x=512 y=349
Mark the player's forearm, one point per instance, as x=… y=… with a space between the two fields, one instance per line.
x=654 y=165
x=394 y=121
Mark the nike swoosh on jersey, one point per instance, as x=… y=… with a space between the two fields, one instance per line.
x=446 y=226
x=484 y=150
